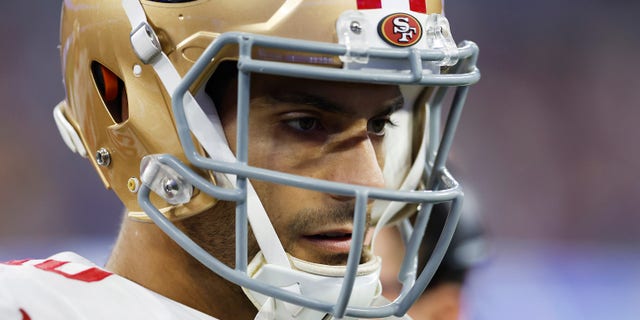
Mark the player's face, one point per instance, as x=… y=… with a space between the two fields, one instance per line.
x=326 y=130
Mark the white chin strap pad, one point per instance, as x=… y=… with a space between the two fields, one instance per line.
x=316 y=281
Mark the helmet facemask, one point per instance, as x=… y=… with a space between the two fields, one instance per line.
x=286 y=285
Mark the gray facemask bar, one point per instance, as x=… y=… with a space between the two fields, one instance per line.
x=441 y=187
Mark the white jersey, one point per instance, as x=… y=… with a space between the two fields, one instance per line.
x=68 y=287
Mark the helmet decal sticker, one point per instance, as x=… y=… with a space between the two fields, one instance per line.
x=369 y=4
x=414 y=5
x=418 y=6
x=400 y=30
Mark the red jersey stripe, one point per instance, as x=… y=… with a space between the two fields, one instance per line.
x=15 y=262
x=25 y=315
x=89 y=275
x=418 y=6
x=369 y=4
x=50 y=264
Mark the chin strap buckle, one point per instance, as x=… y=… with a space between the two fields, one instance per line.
x=145 y=42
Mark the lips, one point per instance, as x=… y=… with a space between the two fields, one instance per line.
x=331 y=236
x=331 y=241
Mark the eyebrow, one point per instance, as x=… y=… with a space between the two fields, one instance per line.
x=324 y=104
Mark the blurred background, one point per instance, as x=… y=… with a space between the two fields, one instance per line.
x=547 y=150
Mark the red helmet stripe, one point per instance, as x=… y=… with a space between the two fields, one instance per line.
x=418 y=6
x=369 y=4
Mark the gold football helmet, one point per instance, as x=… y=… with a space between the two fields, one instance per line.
x=135 y=73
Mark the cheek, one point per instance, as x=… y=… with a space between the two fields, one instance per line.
x=271 y=149
x=280 y=202
x=228 y=120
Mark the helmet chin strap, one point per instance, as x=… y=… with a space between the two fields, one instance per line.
x=319 y=281
x=272 y=265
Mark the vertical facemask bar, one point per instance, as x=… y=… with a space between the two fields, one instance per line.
x=436 y=257
x=408 y=276
x=435 y=178
x=447 y=137
x=355 y=252
x=435 y=116
x=242 y=220
x=242 y=154
x=408 y=269
x=435 y=175
x=453 y=119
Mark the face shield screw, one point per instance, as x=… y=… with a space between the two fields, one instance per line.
x=133 y=184
x=171 y=188
x=355 y=27
x=103 y=157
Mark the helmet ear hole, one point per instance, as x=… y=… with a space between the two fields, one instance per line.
x=112 y=92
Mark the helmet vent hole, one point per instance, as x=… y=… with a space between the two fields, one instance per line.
x=112 y=92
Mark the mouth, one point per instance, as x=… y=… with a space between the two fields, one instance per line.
x=333 y=241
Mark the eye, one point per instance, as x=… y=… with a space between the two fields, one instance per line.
x=304 y=124
x=378 y=126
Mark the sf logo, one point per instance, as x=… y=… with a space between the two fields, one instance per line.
x=402 y=27
x=400 y=30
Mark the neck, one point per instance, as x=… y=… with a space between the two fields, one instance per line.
x=147 y=256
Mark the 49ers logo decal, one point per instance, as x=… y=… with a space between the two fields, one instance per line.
x=400 y=30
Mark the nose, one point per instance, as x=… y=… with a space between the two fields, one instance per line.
x=355 y=161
